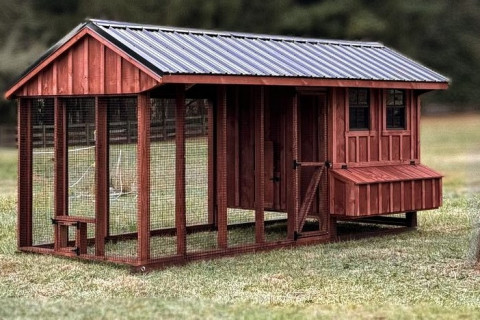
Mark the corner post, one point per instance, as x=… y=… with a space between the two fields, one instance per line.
x=143 y=176
x=212 y=176
x=180 y=204
x=222 y=166
x=259 y=106
x=24 y=215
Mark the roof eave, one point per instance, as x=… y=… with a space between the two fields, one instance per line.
x=300 y=81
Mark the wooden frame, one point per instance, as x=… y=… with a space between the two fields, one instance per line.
x=258 y=157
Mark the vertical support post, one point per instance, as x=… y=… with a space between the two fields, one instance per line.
x=180 y=206
x=293 y=193
x=259 y=164
x=61 y=171
x=143 y=176
x=24 y=215
x=212 y=191
x=222 y=166
x=101 y=176
x=411 y=219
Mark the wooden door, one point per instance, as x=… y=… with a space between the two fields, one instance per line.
x=312 y=148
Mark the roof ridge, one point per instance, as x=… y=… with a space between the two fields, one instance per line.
x=234 y=34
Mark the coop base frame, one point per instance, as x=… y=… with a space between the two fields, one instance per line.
x=406 y=224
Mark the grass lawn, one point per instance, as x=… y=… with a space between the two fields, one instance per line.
x=426 y=273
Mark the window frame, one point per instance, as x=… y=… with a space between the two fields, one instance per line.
x=365 y=107
x=390 y=121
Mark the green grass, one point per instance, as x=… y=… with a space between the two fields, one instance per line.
x=426 y=273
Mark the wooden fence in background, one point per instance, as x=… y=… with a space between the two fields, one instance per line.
x=120 y=132
x=8 y=136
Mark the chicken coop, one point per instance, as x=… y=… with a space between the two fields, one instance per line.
x=151 y=146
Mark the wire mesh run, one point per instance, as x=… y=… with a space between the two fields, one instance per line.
x=123 y=193
x=81 y=156
x=196 y=174
x=43 y=174
x=162 y=177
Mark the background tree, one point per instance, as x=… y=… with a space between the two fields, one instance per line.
x=443 y=34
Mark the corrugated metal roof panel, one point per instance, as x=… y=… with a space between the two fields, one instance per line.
x=198 y=52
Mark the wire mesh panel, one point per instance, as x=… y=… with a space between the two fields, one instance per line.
x=81 y=157
x=122 y=138
x=196 y=175
x=162 y=177
x=43 y=170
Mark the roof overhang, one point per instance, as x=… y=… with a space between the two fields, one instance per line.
x=294 y=81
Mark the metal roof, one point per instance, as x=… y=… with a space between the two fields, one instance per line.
x=168 y=50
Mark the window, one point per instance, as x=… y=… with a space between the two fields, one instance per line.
x=396 y=109
x=359 y=106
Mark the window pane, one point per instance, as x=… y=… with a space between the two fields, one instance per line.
x=352 y=95
x=359 y=109
x=362 y=97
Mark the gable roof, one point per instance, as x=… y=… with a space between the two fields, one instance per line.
x=181 y=51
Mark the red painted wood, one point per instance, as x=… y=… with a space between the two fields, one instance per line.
x=212 y=191
x=302 y=82
x=259 y=124
x=102 y=198
x=221 y=196
x=180 y=204
x=143 y=176
x=24 y=203
x=61 y=171
x=86 y=67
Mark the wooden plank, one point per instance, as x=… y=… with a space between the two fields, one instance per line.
x=180 y=204
x=61 y=171
x=95 y=66
x=212 y=175
x=81 y=238
x=269 y=175
x=302 y=82
x=118 y=66
x=237 y=148
x=24 y=201
x=259 y=164
x=111 y=71
x=309 y=196
x=86 y=62
x=102 y=76
x=221 y=195
x=290 y=156
x=143 y=176
x=101 y=176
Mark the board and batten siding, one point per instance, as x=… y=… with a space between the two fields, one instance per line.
x=391 y=158
x=88 y=67
x=377 y=146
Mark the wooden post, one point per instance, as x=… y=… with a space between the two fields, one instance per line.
x=222 y=166
x=61 y=171
x=293 y=187
x=411 y=219
x=101 y=176
x=24 y=215
x=259 y=164
x=180 y=206
x=212 y=191
x=143 y=176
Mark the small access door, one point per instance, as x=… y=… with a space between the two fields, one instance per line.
x=312 y=215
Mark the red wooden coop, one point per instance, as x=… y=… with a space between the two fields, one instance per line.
x=151 y=146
